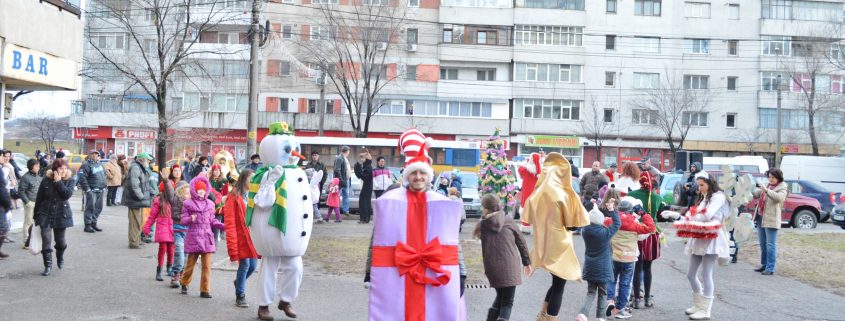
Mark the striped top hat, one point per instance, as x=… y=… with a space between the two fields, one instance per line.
x=414 y=145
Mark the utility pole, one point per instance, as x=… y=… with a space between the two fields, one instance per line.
x=322 y=103
x=777 y=140
x=252 y=114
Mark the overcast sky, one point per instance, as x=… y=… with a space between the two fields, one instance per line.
x=55 y=103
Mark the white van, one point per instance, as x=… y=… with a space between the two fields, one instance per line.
x=748 y=164
x=826 y=171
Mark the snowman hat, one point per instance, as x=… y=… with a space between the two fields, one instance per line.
x=414 y=145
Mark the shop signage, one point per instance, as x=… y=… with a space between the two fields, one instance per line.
x=790 y=149
x=552 y=141
x=139 y=134
x=37 y=67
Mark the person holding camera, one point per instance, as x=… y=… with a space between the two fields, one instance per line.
x=690 y=187
x=768 y=216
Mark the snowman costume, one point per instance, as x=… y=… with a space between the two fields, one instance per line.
x=280 y=216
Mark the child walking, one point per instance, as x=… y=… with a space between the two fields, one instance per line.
x=160 y=214
x=198 y=216
x=598 y=265
x=333 y=201
x=625 y=253
x=504 y=250
x=238 y=241
x=182 y=194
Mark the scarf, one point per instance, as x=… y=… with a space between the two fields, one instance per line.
x=278 y=215
x=761 y=211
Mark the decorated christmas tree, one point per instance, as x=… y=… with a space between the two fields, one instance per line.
x=495 y=176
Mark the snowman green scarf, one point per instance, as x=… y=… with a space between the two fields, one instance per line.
x=278 y=216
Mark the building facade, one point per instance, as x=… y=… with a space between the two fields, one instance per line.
x=541 y=71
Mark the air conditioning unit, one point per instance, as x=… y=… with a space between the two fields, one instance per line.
x=412 y=47
x=381 y=46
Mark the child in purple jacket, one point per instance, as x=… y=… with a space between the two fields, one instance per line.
x=198 y=216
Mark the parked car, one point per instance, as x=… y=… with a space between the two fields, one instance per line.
x=838 y=216
x=671 y=186
x=74 y=162
x=356 y=188
x=825 y=171
x=826 y=198
x=798 y=211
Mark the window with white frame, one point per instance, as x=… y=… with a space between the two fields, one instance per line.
x=149 y=14
x=414 y=3
x=228 y=37
x=486 y=74
x=802 y=10
x=559 y=4
x=287 y=32
x=836 y=85
x=435 y=108
x=776 y=9
x=643 y=117
x=478 y=3
x=412 y=36
x=776 y=45
x=610 y=79
x=109 y=40
x=733 y=11
x=547 y=72
x=228 y=103
x=647 y=7
x=549 y=35
x=150 y=46
x=647 y=44
x=557 y=109
x=486 y=37
x=695 y=119
x=449 y=73
x=646 y=80
x=733 y=47
x=769 y=80
x=322 y=33
x=411 y=72
x=375 y=2
x=698 y=46
x=697 y=9
x=324 y=1
x=611 y=6
x=836 y=52
x=696 y=81
x=284 y=68
x=732 y=83
x=313 y=103
x=730 y=120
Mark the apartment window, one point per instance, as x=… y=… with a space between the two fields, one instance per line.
x=376 y=2
x=486 y=38
x=324 y=1
x=608 y=115
x=149 y=14
x=697 y=9
x=647 y=7
x=109 y=40
x=776 y=9
x=321 y=33
x=694 y=119
x=836 y=52
x=647 y=44
x=776 y=45
x=548 y=72
x=414 y=3
x=732 y=83
x=550 y=108
x=790 y=118
x=730 y=120
x=610 y=42
x=486 y=74
x=646 y=80
x=836 y=84
x=228 y=103
x=478 y=3
x=150 y=46
x=769 y=80
x=228 y=37
x=732 y=47
x=287 y=32
x=558 y=4
x=549 y=35
x=313 y=103
x=449 y=73
x=643 y=117
x=413 y=36
x=411 y=72
x=695 y=82
x=447 y=34
x=284 y=68
x=611 y=6
x=733 y=11
x=610 y=79
x=698 y=46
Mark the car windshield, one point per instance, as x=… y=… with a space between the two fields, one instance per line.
x=469 y=180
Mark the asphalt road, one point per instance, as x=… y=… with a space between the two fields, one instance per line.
x=104 y=280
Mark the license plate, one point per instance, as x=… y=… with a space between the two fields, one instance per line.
x=839 y=217
x=467 y=207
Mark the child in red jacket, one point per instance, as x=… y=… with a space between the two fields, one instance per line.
x=160 y=215
x=238 y=241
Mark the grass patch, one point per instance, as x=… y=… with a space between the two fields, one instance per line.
x=809 y=258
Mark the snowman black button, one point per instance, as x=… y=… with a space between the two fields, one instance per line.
x=304 y=197
x=304 y=233
x=305 y=216
x=300 y=179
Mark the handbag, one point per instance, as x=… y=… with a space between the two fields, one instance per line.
x=35 y=241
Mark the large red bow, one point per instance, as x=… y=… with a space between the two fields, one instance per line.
x=412 y=263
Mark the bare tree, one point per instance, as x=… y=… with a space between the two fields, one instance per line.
x=674 y=106
x=594 y=126
x=48 y=128
x=351 y=46
x=751 y=137
x=159 y=39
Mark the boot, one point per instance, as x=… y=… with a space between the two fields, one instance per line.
x=88 y=229
x=3 y=240
x=60 y=258
x=288 y=309
x=48 y=262
x=184 y=289
x=648 y=302
x=492 y=314
x=169 y=273
x=696 y=303
x=158 y=274
x=205 y=295
x=240 y=301
x=703 y=312
x=636 y=303
x=95 y=228
x=264 y=313
x=543 y=316
x=174 y=280
x=504 y=314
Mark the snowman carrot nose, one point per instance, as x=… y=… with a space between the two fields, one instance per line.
x=297 y=154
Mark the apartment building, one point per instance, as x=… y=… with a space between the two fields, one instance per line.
x=537 y=69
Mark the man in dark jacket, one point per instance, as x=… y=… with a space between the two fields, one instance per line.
x=137 y=195
x=92 y=180
x=317 y=165
x=342 y=171
x=254 y=162
x=690 y=187
x=592 y=181
x=365 y=173
x=28 y=190
x=5 y=205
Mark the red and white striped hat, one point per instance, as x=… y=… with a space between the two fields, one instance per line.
x=414 y=145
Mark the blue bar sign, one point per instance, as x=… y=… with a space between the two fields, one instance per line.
x=18 y=63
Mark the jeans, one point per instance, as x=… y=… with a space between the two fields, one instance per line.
x=344 y=195
x=93 y=206
x=178 y=253
x=595 y=289
x=50 y=235
x=768 y=238
x=622 y=275
x=504 y=301
x=245 y=269
x=111 y=195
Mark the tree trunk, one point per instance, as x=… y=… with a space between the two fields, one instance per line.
x=161 y=137
x=811 y=122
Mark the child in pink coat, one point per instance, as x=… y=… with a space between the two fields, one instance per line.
x=160 y=215
x=333 y=200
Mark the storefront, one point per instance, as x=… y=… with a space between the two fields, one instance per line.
x=569 y=146
x=660 y=158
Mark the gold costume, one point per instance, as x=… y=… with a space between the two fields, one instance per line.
x=552 y=208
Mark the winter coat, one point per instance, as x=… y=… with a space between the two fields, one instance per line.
x=457 y=183
x=503 y=248
x=692 y=192
x=28 y=186
x=52 y=208
x=162 y=219
x=381 y=179
x=198 y=168
x=643 y=196
x=92 y=176
x=238 y=240
x=137 y=192
x=5 y=198
x=9 y=173
x=774 y=205
x=199 y=238
x=365 y=197
x=591 y=182
x=341 y=169
x=114 y=176
x=333 y=200
x=624 y=243
x=176 y=212
x=598 y=263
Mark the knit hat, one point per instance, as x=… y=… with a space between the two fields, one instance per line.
x=596 y=216
x=200 y=185
x=175 y=166
x=646 y=180
x=414 y=145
